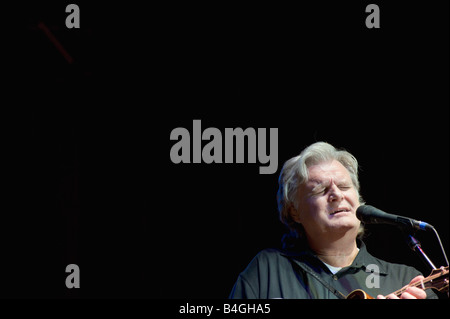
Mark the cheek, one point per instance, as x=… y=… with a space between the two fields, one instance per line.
x=313 y=206
x=353 y=198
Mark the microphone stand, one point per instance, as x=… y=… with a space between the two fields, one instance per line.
x=414 y=244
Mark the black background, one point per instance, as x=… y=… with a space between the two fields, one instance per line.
x=88 y=177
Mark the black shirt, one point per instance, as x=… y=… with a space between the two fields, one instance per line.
x=299 y=274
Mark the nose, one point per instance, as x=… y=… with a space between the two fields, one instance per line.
x=335 y=194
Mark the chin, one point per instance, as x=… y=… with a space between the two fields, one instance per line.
x=345 y=227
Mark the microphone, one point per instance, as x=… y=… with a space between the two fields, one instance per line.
x=371 y=215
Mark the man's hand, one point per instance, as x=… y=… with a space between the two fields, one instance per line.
x=409 y=293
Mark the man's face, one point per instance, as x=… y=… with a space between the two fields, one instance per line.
x=327 y=203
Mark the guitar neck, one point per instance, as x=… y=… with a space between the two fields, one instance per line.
x=437 y=280
x=422 y=284
x=426 y=283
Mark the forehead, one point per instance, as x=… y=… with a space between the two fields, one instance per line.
x=324 y=172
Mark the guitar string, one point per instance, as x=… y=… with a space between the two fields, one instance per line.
x=417 y=284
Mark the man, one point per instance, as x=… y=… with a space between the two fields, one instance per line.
x=323 y=257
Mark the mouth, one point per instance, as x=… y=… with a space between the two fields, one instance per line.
x=340 y=210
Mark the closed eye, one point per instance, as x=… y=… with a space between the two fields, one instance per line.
x=319 y=190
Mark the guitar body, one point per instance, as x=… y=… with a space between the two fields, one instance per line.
x=359 y=294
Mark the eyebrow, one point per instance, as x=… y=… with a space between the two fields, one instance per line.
x=319 y=183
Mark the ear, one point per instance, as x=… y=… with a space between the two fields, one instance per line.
x=295 y=214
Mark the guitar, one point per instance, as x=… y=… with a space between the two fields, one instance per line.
x=438 y=279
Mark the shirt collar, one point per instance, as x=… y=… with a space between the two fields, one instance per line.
x=362 y=260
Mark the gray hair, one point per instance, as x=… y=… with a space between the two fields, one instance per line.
x=295 y=172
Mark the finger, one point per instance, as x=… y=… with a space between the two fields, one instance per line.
x=391 y=296
x=416 y=279
x=414 y=293
x=407 y=295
